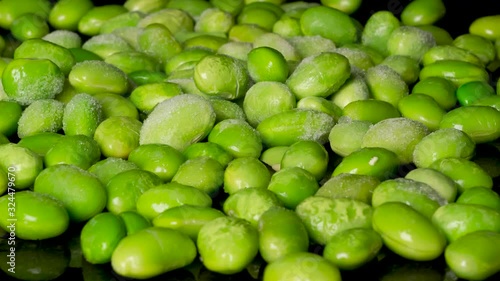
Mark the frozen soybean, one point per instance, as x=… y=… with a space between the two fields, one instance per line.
x=179 y=121
x=41 y=116
x=409 y=134
x=82 y=115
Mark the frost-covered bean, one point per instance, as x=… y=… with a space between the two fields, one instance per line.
x=358 y=187
x=178 y=121
x=28 y=80
x=41 y=116
x=409 y=134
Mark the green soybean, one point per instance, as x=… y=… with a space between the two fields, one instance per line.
x=40 y=143
x=66 y=14
x=438 y=88
x=326 y=217
x=28 y=80
x=308 y=155
x=456 y=220
x=464 y=172
x=12 y=9
x=481 y=123
x=41 y=116
x=306 y=266
x=187 y=219
x=237 y=137
x=160 y=159
x=93 y=77
x=161 y=250
x=117 y=136
x=90 y=23
x=370 y=161
x=370 y=110
x=27 y=164
x=124 y=189
x=456 y=71
x=293 y=185
x=158 y=42
x=441 y=183
x=423 y=12
x=227 y=245
x=172 y=122
x=155 y=200
x=478 y=45
x=245 y=172
x=410 y=133
x=250 y=203
x=64 y=38
x=100 y=237
x=286 y=128
x=353 y=186
x=422 y=108
x=319 y=75
x=449 y=52
x=208 y=149
x=281 y=233
x=407 y=232
x=480 y=196
x=378 y=30
x=474 y=256
x=469 y=93
x=259 y=103
x=420 y=196
x=386 y=84
x=105 y=169
x=410 y=41
x=352 y=248
x=78 y=150
x=82 y=194
x=486 y=27
x=316 y=20
x=209 y=71
x=29 y=26
x=38 y=215
x=82 y=116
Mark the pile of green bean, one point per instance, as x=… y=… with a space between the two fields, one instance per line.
x=227 y=131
